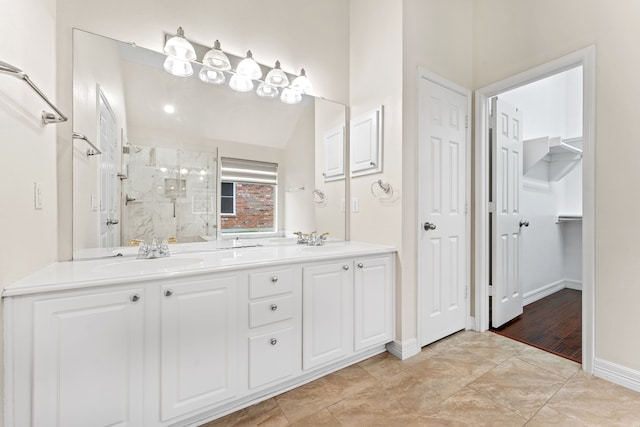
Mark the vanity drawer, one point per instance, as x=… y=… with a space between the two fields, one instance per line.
x=272 y=282
x=270 y=311
x=271 y=357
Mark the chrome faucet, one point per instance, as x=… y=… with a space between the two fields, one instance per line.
x=311 y=239
x=153 y=250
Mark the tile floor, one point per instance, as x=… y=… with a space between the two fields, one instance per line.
x=468 y=379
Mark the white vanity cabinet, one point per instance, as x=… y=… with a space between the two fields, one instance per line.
x=87 y=354
x=198 y=343
x=347 y=307
x=327 y=312
x=184 y=347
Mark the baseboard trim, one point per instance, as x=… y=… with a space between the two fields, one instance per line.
x=551 y=288
x=617 y=374
x=404 y=349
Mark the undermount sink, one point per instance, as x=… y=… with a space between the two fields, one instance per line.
x=144 y=266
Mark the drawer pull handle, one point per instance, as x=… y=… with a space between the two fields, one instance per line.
x=274 y=307
x=345 y=267
x=274 y=279
x=135 y=298
x=168 y=292
x=360 y=265
x=274 y=341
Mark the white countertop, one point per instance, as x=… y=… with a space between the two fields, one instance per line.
x=185 y=260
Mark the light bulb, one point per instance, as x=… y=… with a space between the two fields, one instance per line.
x=302 y=83
x=177 y=67
x=179 y=47
x=267 y=91
x=291 y=96
x=249 y=68
x=276 y=77
x=209 y=75
x=216 y=58
x=240 y=83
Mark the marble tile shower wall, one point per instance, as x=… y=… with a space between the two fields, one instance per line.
x=174 y=192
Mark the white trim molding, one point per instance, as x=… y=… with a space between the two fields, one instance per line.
x=549 y=289
x=587 y=59
x=617 y=374
x=404 y=349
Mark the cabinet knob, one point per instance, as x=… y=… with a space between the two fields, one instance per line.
x=274 y=341
x=135 y=298
x=168 y=292
x=345 y=267
x=274 y=279
x=274 y=307
x=360 y=265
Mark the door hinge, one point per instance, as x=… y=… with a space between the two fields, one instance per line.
x=491 y=207
x=466 y=122
x=466 y=292
x=466 y=207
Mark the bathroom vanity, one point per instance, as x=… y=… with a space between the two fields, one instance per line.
x=186 y=339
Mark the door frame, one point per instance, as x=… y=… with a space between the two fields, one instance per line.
x=587 y=59
x=439 y=80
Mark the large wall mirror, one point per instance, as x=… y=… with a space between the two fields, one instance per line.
x=194 y=162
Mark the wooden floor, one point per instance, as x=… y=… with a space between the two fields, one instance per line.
x=553 y=324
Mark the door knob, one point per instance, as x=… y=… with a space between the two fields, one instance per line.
x=112 y=221
x=429 y=226
x=524 y=223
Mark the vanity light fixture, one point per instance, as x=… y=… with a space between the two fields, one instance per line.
x=241 y=83
x=265 y=90
x=302 y=83
x=211 y=75
x=249 y=68
x=291 y=96
x=179 y=53
x=276 y=77
x=177 y=67
x=216 y=58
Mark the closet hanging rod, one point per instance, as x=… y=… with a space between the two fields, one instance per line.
x=94 y=149
x=18 y=73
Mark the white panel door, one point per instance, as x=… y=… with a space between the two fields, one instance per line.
x=109 y=200
x=88 y=360
x=199 y=336
x=443 y=255
x=373 y=305
x=506 y=132
x=327 y=313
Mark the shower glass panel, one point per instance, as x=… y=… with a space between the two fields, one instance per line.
x=169 y=193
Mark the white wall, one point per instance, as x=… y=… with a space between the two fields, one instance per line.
x=27 y=148
x=511 y=36
x=437 y=36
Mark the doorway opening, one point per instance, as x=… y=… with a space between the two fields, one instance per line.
x=551 y=240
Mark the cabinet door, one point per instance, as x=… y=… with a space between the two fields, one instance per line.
x=87 y=360
x=198 y=344
x=271 y=357
x=373 y=309
x=366 y=143
x=327 y=313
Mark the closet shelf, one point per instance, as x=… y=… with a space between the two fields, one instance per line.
x=561 y=155
x=568 y=218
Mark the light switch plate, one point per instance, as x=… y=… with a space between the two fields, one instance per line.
x=355 y=205
x=37 y=195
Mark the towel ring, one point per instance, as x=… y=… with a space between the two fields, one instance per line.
x=319 y=196
x=387 y=189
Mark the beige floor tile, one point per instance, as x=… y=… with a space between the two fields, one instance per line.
x=469 y=408
x=263 y=414
x=547 y=417
x=450 y=371
x=508 y=343
x=383 y=365
x=597 y=402
x=487 y=347
x=394 y=401
x=319 y=419
x=519 y=386
x=545 y=360
x=312 y=397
